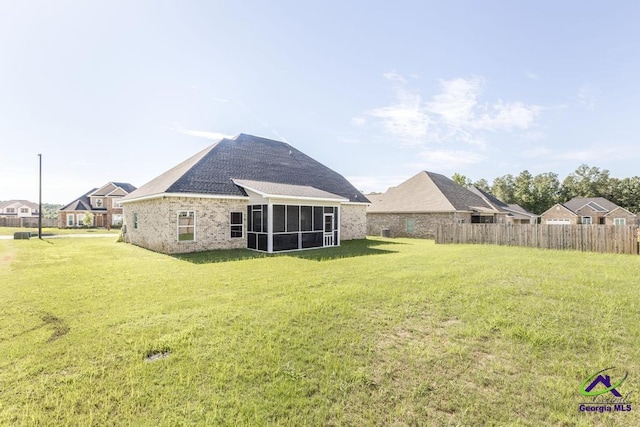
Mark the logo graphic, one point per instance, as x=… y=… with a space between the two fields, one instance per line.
x=605 y=381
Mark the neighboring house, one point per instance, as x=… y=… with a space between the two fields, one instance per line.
x=103 y=203
x=591 y=210
x=415 y=207
x=18 y=209
x=245 y=192
x=515 y=214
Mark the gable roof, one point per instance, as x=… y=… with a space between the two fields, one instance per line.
x=513 y=210
x=27 y=203
x=80 y=204
x=429 y=192
x=599 y=204
x=110 y=187
x=213 y=170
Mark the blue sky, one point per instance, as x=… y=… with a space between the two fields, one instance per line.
x=124 y=90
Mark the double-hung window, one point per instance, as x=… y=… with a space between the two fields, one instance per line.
x=186 y=226
x=236 y=224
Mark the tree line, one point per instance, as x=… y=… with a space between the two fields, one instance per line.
x=538 y=193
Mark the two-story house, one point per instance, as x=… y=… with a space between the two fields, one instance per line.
x=102 y=203
x=18 y=209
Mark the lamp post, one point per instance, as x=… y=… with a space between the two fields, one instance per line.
x=40 y=201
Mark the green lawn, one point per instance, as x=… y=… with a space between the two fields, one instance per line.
x=8 y=231
x=378 y=332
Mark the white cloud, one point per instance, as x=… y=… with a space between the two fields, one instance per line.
x=214 y=136
x=587 y=96
x=392 y=75
x=507 y=117
x=457 y=100
x=406 y=118
x=453 y=115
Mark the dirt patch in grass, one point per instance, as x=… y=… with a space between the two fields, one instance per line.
x=60 y=328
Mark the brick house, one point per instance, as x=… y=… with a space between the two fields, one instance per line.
x=415 y=207
x=245 y=192
x=591 y=210
x=103 y=203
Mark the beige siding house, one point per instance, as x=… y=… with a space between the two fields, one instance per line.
x=245 y=192
x=591 y=210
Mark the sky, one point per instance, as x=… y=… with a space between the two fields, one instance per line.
x=378 y=91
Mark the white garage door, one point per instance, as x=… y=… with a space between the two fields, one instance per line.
x=559 y=221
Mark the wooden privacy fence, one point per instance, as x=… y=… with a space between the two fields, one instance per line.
x=619 y=239
x=28 y=222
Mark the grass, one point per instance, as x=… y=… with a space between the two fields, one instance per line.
x=51 y=231
x=376 y=332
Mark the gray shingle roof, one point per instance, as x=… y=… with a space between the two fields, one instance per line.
x=27 y=203
x=275 y=189
x=578 y=202
x=252 y=158
x=428 y=192
x=81 y=203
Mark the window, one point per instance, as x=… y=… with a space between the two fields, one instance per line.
x=98 y=203
x=24 y=210
x=116 y=203
x=11 y=210
x=70 y=218
x=236 y=224
x=411 y=223
x=186 y=226
x=586 y=220
x=619 y=221
x=135 y=221
x=116 y=219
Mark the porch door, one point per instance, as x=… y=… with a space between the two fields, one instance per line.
x=99 y=220
x=328 y=229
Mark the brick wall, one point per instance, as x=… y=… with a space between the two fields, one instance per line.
x=353 y=224
x=424 y=224
x=157 y=224
x=558 y=212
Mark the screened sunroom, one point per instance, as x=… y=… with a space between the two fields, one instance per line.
x=283 y=217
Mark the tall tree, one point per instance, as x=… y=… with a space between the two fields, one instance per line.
x=504 y=188
x=546 y=191
x=461 y=180
x=523 y=192
x=586 y=181
x=483 y=185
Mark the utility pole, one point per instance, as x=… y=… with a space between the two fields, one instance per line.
x=40 y=201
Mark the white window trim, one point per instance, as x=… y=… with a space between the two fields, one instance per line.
x=586 y=223
x=116 y=204
x=70 y=219
x=619 y=221
x=135 y=220
x=178 y=226
x=241 y=224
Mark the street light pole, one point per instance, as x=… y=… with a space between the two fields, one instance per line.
x=40 y=201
